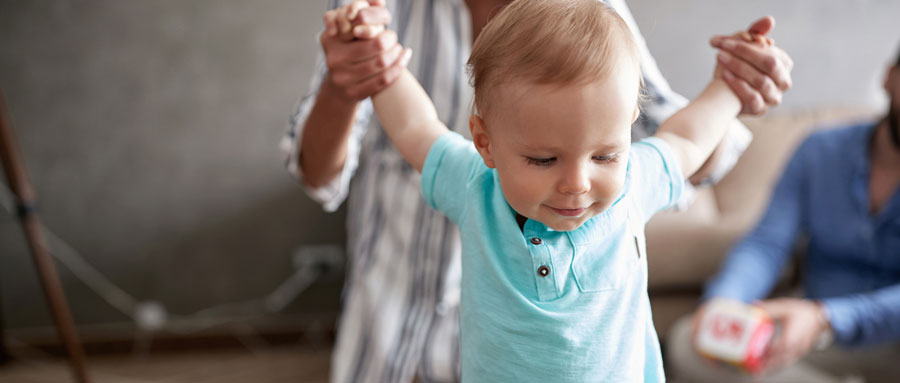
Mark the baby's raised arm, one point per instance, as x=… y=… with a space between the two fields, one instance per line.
x=409 y=118
x=695 y=131
x=405 y=110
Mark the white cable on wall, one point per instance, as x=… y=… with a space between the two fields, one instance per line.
x=152 y=316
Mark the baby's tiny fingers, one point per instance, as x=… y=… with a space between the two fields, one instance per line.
x=353 y=9
x=367 y=31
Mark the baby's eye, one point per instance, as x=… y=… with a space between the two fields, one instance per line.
x=540 y=161
x=607 y=158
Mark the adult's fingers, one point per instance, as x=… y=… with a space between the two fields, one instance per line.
x=762 y=26
x=382 y=80
x=759 y=81
x=751 y=101
x=377 y=64
x=374 y=15
x=777 y=308
x=329 y=19
x=767 y=60
x=363 y=50
x=785 y=58
x=340 y=53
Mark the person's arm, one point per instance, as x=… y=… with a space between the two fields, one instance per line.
x=694 y=131
x=753 y=266
x=357 y=69
x=409 y=118
x=752 y=78
x=406 y=112
x=854 y=320
x=864 y=319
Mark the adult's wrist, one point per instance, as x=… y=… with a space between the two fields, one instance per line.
x=826 y=333
x=336 y=98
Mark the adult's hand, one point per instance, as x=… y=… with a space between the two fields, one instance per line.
x=363 y=66
x=754 y=68
x=802 y=323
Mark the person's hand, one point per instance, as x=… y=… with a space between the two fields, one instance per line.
x=362 y=57
x=755 y=69
x=697 y=319
x=802 y=323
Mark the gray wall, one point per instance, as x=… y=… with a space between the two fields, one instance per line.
x=150 y=129
x=841 y=48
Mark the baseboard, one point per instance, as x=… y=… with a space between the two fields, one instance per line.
x=308 y=329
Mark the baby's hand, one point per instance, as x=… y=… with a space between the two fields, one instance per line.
x=351 y=21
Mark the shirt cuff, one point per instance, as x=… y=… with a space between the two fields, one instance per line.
x=842 y=316
x=332 y=194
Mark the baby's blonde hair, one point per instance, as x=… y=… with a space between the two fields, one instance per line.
x=549 y=42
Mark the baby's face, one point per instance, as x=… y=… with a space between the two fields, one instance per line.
x=560 y=151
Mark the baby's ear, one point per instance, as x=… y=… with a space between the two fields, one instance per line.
x=481 y=139
x=637 y=113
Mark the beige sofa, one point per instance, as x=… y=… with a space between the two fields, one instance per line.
x=686 y=248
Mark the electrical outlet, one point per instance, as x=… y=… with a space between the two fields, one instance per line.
x=326 y=260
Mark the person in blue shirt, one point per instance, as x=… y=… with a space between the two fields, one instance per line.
x=550 y=196
x=840 y=189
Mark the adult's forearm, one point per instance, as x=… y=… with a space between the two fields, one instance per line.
x=323 y=146
x=864 y=319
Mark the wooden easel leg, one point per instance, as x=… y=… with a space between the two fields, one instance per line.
x=4 y=352
x=34 y=235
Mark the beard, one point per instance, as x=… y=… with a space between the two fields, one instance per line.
x=893 y=122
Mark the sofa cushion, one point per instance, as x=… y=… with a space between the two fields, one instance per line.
x=685 y=248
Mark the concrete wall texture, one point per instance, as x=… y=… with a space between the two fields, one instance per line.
x=150 y=129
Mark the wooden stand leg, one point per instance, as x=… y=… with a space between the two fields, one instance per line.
x=18 y=181
x=4 y=352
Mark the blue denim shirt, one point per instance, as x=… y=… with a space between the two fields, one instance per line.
x=853 y=261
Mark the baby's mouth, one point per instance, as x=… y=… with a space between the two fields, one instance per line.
x=569 y=212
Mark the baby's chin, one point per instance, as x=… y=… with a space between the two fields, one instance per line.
x=567 y=225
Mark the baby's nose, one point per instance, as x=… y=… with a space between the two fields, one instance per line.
x=576 y=181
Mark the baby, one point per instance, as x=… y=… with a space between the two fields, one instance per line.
x=550 y=195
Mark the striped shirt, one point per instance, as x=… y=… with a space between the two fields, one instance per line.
x=400 y=314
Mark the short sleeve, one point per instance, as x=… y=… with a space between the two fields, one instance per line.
x=654 y=177
x=451 y=165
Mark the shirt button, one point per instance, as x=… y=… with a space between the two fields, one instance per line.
x=536 y=240
x=543 y=271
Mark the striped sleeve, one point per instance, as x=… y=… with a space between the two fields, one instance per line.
x=331 y=195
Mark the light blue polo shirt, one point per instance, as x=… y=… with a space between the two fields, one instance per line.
x=540 y=305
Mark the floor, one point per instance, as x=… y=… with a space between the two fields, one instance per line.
x=273 y=365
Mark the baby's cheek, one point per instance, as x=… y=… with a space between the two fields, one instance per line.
x=611 y=186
